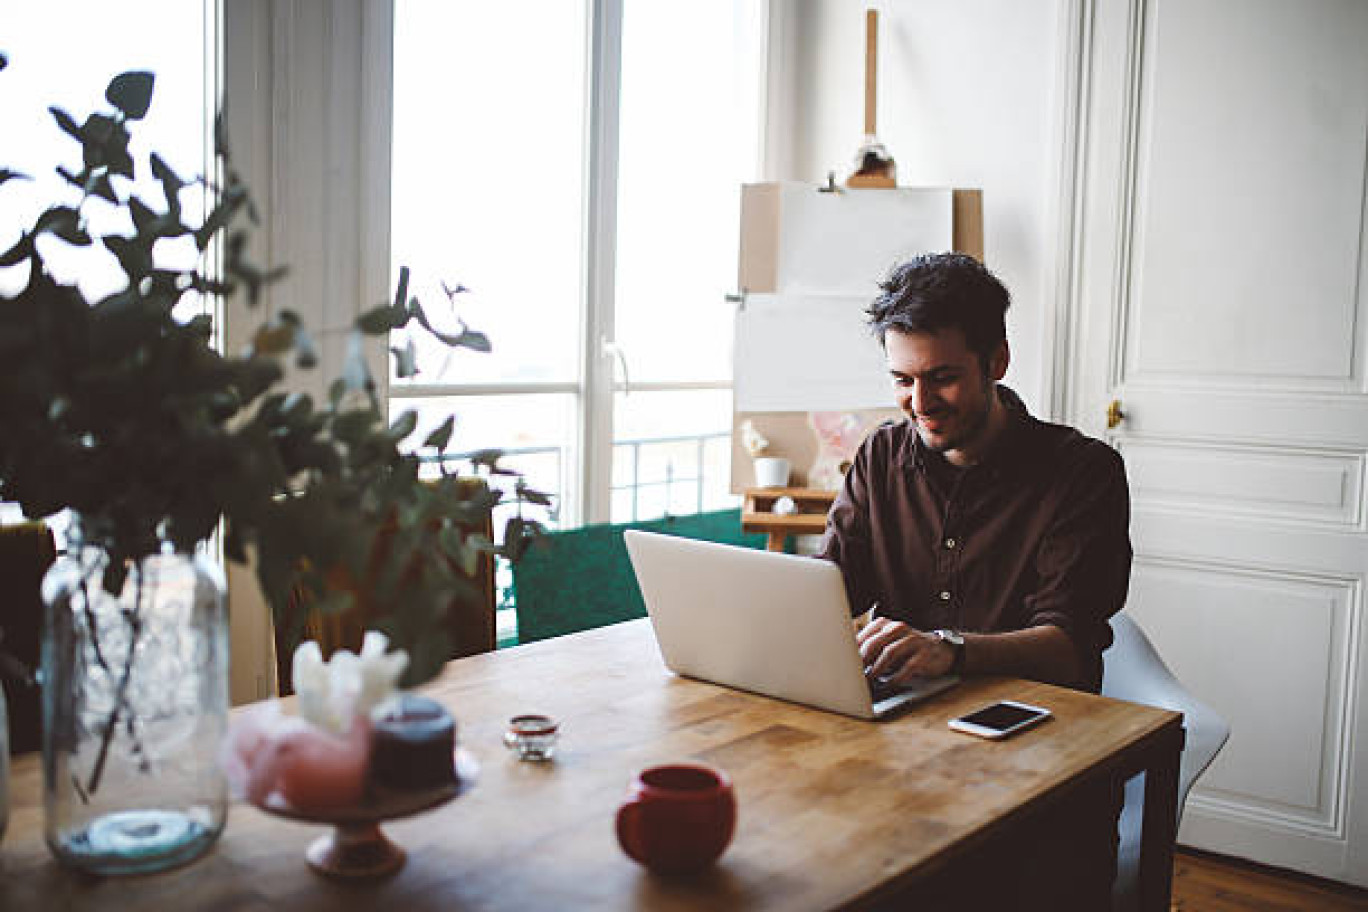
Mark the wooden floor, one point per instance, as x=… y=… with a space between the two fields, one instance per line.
x=1211 y=883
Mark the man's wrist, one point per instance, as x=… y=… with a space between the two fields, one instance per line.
x=955 y=640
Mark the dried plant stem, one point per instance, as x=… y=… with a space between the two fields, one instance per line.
x=134 y=620
x=92 y=624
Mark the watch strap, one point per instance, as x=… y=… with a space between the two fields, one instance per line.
x=956 y=642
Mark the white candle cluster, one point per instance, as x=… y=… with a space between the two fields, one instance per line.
x=333 y=693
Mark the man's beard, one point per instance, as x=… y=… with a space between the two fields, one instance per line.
x=977 y=424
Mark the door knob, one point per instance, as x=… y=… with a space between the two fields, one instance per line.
x=1114 y=414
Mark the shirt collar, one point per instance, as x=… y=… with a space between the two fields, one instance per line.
x=1019 y=420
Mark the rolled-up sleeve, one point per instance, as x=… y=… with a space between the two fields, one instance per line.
x=1084 y=557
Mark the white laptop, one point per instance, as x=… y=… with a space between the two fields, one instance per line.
x=774 y=624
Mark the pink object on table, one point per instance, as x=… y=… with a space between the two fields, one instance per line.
x=268 y=751
x=316 y=771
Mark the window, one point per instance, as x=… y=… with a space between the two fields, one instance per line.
x=576 y=165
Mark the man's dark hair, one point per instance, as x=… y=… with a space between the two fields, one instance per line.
x=939 y=291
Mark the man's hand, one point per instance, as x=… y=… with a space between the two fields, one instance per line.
x=899 y=653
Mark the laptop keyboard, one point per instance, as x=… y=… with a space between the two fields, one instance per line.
x=881 y=688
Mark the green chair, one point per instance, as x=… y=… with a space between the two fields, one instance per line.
x=578 y=579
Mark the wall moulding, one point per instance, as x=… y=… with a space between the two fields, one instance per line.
x=1318 y=486
x=1296 y=773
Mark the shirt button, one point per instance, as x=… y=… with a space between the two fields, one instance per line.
x=945 y=595
x=950 y=543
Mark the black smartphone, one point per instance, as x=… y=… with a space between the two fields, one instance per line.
x=998 y=720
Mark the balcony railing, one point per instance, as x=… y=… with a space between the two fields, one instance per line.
x=705 y=482
x=638 y=494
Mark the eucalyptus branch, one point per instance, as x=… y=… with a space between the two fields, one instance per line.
x=134 y=619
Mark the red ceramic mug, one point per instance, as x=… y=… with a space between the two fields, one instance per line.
x=677 y=818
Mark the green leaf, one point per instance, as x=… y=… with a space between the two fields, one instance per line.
x=422 y=319
x=98 y=185
x=475 y=341
x=131 y=93
x=487 y=458
x=143 y=217
x=201 y=325
x=515 y=538
x=404 y=426
x=296 y=408
x=441 y=436
x=163 y=173
x=75 y=180
x=376 y=322
x=350 y=427
x=405 y=360
x=401 y=293
x=72 y=234
x=533 y=496
x=68 y=125
x=222 y=214
x=135 y=257
x=21 y=251
x=98 y=130
x=65 y=222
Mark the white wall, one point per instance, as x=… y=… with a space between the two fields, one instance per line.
x=967 y=98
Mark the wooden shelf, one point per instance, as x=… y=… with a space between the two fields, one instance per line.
x=758 y=516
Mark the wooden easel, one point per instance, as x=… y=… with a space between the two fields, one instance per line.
x=877 y=168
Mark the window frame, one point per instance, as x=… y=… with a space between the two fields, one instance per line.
x=602 y=370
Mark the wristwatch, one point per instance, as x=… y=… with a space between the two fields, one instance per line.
x=955 y=640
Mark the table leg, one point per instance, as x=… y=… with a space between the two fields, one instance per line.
x=1160 y=828
x=775 y=541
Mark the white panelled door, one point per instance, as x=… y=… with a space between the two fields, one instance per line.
x=1220 y=294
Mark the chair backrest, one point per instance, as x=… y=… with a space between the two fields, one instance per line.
x=470 y=623
x=26 y=552
x=578 y=579
x=1134 y=671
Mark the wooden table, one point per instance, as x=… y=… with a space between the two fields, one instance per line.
x=541 y=836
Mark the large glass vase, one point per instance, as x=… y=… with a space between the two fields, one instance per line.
x=135 y=705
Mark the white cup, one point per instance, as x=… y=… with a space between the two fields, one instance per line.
x=771 y=472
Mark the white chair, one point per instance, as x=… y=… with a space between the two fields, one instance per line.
x=1133 y=671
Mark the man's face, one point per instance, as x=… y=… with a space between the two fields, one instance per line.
x=942 y=385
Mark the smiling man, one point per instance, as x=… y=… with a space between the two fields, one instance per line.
x=985 y=540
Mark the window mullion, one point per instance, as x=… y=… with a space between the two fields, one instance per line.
x=596 y=403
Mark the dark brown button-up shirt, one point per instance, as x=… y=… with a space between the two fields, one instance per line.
x=1036 y=533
